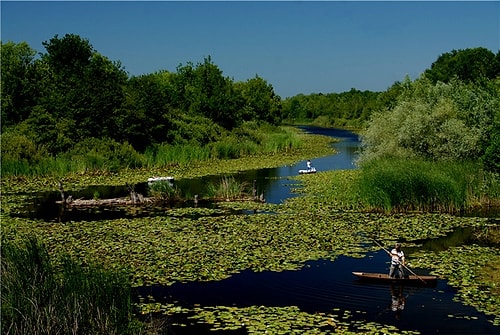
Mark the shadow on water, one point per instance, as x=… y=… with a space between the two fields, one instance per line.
x=273 y=184
x=322 y=286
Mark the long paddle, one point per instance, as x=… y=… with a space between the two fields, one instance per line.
x=407 y=268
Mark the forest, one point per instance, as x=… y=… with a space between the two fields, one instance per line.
x=73 y=108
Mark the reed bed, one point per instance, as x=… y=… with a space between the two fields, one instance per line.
x=39 y=297
x=228 y=189
x=405 y=185
x=249 y=141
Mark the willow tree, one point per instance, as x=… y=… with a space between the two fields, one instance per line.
x=443 y=121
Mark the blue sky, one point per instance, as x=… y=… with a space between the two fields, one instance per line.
x=296 y=46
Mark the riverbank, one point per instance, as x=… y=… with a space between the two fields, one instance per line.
x=310 y=146
x=212 y=244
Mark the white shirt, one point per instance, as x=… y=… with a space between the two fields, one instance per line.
x=398 y=257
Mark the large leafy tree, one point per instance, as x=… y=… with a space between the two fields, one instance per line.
x=203 y=90
x=260 y=101
x=446 y=121
x=144 y=118
x=82 y=86
x=469 y=65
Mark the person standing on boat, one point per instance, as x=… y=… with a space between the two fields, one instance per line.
x=309 y=165
x=397 y=262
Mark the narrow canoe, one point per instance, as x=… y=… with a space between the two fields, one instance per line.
x=408 y=279
x=311 y=170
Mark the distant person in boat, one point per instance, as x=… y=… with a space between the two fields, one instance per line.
x=397 y=262
x=309 y=166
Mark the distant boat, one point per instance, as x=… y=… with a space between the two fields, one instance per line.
x=311 y=170
x=409 y=279
x=152 y=180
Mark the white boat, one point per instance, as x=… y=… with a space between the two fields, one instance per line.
x=156 y=179
x=311 y=170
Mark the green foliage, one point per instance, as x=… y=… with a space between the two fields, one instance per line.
x=18 y=94
x=437 y=122
x=202 y=90
x=164 y=191
x=39 y=297
x=228 y=189
x=194 y=130
x=403 y=184
x=347 y=109
x=106 y=154
x=469 y=65
x=260 y=101
x=17 y=147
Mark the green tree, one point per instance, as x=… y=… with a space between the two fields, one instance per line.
x=144 y=119
x=260 y=101
x=82 y=86
x=203 y=90
x=17 y=82
x=469 y=65
x=436 y=122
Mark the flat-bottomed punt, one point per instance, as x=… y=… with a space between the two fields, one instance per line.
x=407 y=279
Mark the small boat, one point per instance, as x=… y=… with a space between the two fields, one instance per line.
x=311 y=170
x=152 y=180
x=408 y=279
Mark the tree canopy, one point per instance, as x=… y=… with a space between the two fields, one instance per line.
x=72 y=93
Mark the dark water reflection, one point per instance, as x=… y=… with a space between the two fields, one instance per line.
x=322 y=286
x=273 y=183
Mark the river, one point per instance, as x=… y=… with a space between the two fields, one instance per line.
x=320 y=285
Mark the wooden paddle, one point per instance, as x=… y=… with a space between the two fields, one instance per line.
x=407 y=268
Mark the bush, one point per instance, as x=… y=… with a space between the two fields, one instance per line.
x=105 y=154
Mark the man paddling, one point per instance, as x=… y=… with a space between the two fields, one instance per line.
x=397 y=262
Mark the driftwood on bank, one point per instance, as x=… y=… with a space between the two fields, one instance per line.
x=134 y=199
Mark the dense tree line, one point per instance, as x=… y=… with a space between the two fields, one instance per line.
x=71 y=93
x=71 y=99
x=354 y=108
x=452 y=112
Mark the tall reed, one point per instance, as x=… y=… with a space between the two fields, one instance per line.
x=252 y=139
x=228 y=189
x=398 y=184
x=39 y=297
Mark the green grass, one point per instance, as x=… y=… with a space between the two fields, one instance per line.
x=402 y=185
x=39 y=297
x=228 y=189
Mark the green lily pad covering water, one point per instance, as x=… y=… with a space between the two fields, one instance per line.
x=196 y=245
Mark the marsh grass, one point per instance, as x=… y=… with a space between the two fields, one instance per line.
x=39 y=297
x=228 y=189
x=164 y=191
x=403 y=185
x=103 y=156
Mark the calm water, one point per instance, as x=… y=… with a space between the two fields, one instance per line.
x=321 y=285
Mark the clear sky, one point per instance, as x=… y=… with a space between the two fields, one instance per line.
x=296 y=46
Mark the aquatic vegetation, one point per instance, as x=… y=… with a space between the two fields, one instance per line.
x=327 y=220
x=311 y=146
x=274 y=320
x=164 y=191
x=413 y=184
x=40 y=298
x=228 y=189
x=473 y=270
